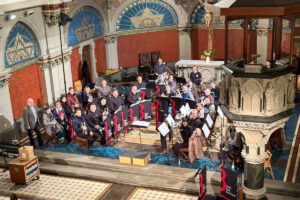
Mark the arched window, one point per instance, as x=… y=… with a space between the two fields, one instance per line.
x=146 y=14
x=21 y=45
x=86 y=24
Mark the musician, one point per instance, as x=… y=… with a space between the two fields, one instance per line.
x=72 y=99
x=103 y=108
x=172 y=84
x=185 y=132
x=209 y=106
x=115 y=102
x=233 y=139
x=201 y=111
x=104 y=90
x=81 y=128
x=215 y=90
x=196 y=143
x=195 y=76
x=160 y=67
x=67 y=108
x=93 y=119
x=187 y=94
x=59 y=113
x=133 y=96
x=195 y=122
x=207 y=94
x=86 y=97
x=52 y=127
x=168 y=92
x=168 y=106
x=193 y=89
x=140 y=83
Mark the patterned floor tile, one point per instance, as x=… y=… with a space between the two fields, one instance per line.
x=148 y=194
x=55 y=187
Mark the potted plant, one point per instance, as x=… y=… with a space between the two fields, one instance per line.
x=208 y=54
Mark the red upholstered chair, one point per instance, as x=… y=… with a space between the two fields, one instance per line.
x=83 y=143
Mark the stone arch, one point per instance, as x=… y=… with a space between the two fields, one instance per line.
x=251 y=92
x=168 y=15
x=87 y=23
x=276 y=139
x=21 y=44
x=281 y=90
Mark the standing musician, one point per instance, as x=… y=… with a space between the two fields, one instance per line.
x=185 y=132
x=140 y=83
x=160 y=67
x=115 y=101
x=133 y=96
x=172 y=84
x=195 y=76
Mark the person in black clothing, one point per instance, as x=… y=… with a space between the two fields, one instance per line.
x=185 y=132
x=103 y=108
x=67 y=108
x=140 y=84
x=82 y=129
x=195 y=76
x=195 y=122
x=115 y=102
x=215 y=90
x=160 y=67
x=93 y=118
x=133 y=96
x=86 y=97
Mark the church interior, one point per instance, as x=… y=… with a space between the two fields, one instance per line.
x=149 y=99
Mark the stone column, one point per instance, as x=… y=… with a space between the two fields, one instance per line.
x=94 y=62
x=185 y=49
x=68 y=71
x=111 y=47
x=47 y=82
x=262 y=40
x=6 y=113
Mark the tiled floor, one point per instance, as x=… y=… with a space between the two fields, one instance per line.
x=148 y=194
x=55 y=187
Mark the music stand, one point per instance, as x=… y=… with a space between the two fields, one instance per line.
x=139 y=125
x=180 y=80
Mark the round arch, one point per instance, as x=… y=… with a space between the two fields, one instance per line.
x=180 y=17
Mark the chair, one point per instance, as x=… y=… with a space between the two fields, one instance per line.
x=83 y=143
x=78 y=86
x=184 y=152
x=268 y=165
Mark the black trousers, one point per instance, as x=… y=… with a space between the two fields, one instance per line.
x=38 y=134
x=163 y=139
x=178 y=146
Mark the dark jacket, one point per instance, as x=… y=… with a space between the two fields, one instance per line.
x=133 y=98
x=28 y=117
x=195 y=123
x=85 y=99
x=140 y=85
x=186 y=133
x=196 y=78
x=159 y=69
x=115 y=103
x=57 y=117
x=67 y=108
x=77 y=123
x=93 y=119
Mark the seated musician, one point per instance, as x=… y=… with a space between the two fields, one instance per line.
x=185 y=132
x=233 y=139
x=140 y=84
x=52 y=127
x=209 y=106
x=86 y=97
x=193 y=89
x=201 y=112
x=215 y=90
x=81 y=128
x=168 y=92
x=133 y=96
x=196 y=143
x=195 y=76
x=115 y=101
x=207 y=93
x=195 y=122
x=172 y=84
x=160 y=67
x=104 y=90
x=67 y=108
x=59 y=113
x=72 y=99
x=103 y=108
x=93 y=118
x=187 y=94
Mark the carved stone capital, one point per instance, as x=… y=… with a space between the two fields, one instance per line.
x=259 y=126
x=110 y=39
x=53 y=62
x=4 y=77
x=51 y=13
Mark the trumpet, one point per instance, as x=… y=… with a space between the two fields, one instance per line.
x=83 y=126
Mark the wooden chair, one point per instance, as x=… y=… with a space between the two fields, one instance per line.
x=268 y=165
x=184 y=152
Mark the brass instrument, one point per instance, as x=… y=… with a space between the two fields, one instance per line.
x=85 y=132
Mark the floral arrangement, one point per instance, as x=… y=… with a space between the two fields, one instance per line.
x=209 y=53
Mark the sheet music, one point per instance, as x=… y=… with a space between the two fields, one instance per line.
x=141 y=124
x=206 y=130
x=183 y=111
x=209 y=121
x=163 y=129
x=171 y=121
x=188 y=109
x=220 y=112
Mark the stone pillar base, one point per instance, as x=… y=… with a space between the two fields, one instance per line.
x=255 y=194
